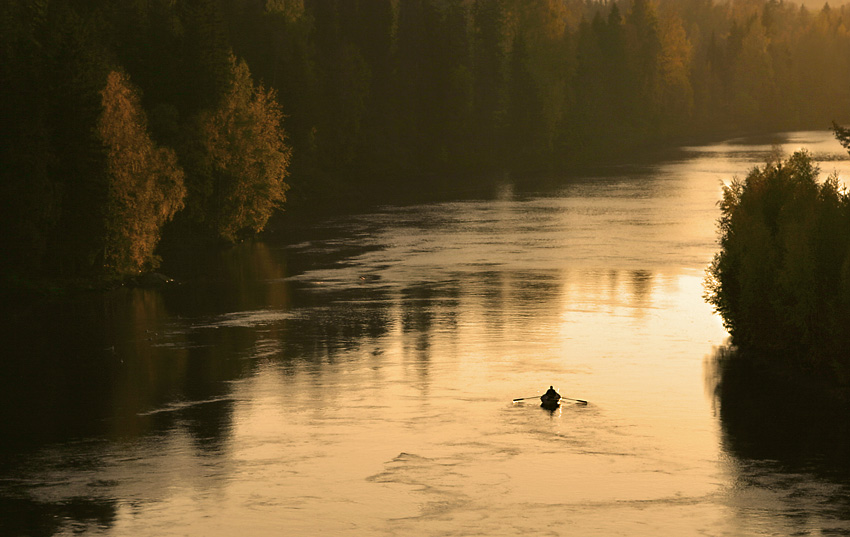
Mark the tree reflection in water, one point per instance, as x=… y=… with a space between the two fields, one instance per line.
x=36 y=519
x=789 y=440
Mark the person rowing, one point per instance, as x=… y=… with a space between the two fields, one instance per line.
x=550 y=398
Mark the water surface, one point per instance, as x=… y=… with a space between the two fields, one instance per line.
x=357 y=379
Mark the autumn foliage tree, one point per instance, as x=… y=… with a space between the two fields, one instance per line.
x=239 y=160
x=144 y=182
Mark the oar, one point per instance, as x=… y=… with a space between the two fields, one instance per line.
x=582 y=401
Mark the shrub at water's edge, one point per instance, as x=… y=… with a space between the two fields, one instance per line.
x=781 y=281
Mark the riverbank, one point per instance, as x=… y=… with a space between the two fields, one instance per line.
x=319 y=196
x=316 y=197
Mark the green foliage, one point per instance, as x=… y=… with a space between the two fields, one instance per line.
x=74 y=73
x=842 y=134
x=29 y=196
x=489 y=29
x=525 y=118
x=780 y=281
x=239 y=160
x=145 y=183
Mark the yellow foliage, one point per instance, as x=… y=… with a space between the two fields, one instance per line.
x=145 y=182
x=246 y=155
x=675 y=67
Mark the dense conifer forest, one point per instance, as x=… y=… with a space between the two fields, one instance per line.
x=124 y=120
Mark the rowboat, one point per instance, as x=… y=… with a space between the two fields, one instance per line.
x=549 y=401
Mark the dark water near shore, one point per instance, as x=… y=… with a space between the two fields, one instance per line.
x=357 y=378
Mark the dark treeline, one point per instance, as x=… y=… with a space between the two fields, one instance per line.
x=119 y=117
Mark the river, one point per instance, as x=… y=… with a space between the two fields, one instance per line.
x=356 y=378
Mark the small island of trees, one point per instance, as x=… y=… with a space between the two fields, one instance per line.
x=781 y=281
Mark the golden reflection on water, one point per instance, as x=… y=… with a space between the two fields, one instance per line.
x=426 y=437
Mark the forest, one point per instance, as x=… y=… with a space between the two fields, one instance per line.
x=126 y=121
